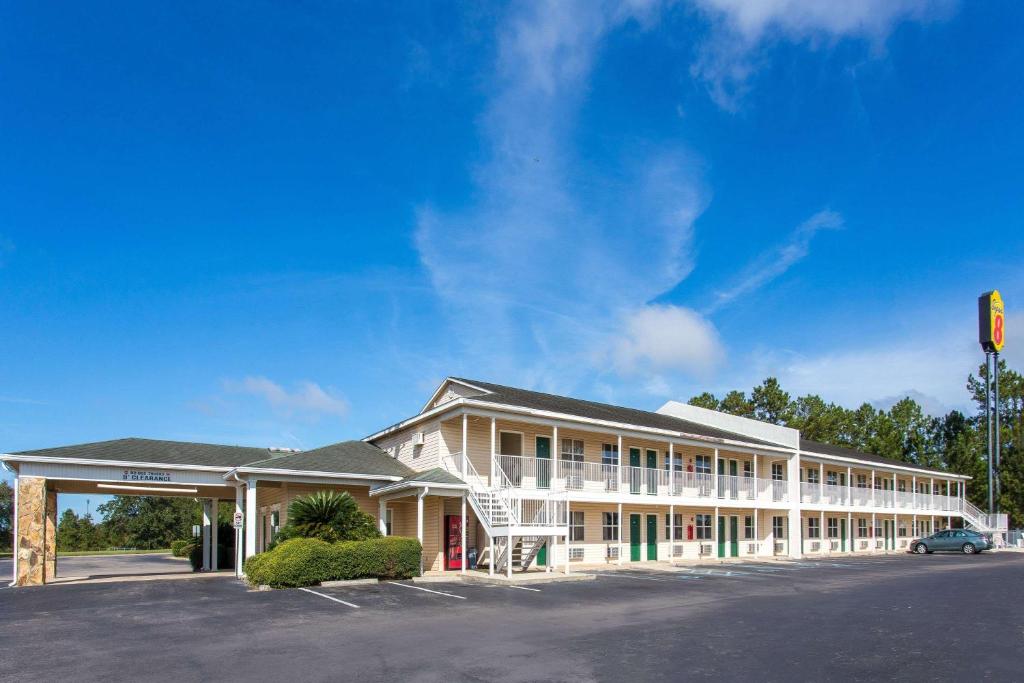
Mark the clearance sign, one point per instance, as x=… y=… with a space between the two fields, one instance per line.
x=991 y=321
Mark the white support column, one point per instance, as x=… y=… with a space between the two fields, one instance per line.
x=913 y=493
x=490 y=569
x=718 y=484
x=849 y=487
x=931 y=523
x=793 y=480
x=618 y=483
x=873 y=536
x=757 y=537
x=757 y=496
x=382 y=516
x=873 y=502
x=895 y=531
x=821 y=484
x=671 y=530
x=14 y=529
x=465 y=446
x=849 y=529
x=251 y=518
x=914 y=531
x=714 y=534
x=494 y=436
x=822 y=535
x=568 y=536
x=239 y=533
x=508 y=560
x=419 y=524
x=465 y=550
x=556 y=453
x=620 y=514
x=671 y=474
x=206 y=534
x=215 y=505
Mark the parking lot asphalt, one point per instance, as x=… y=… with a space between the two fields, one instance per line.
x=936 y=617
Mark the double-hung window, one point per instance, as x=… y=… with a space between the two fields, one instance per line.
x=748 y=527
x=703 y=523
x=832 y=478
x=610 y=526
x=576 y=525
x=813 y=475
x=572 y=462
x=703 y=464
x=677 y=530
x=862 y=481
x=813 y=528
x=833 y=527
x=777 y=474
x=862 y=527
x=609 y=466
x=779 y=527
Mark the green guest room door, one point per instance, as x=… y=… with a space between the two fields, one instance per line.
x=721 y=535
x=634 y=538
x=634 y=474
x=734 y=536
x=652 y=537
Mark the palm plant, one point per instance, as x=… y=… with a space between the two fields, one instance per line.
x=330 y=516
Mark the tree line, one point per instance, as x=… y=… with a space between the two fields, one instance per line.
x=954 y=442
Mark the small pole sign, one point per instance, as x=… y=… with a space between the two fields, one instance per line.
x=238 y=520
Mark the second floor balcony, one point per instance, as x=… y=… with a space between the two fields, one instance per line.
x=815 y=493
x=523 y=472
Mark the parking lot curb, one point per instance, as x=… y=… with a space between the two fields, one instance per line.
x=349 y=582
x=520 y=579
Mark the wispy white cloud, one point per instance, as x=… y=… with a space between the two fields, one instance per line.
x=779 y=259
x=555 y=259
x=729 y=55
x=306 y=399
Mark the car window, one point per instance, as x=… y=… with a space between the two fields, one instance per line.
x=942 y=534
x=960 y=534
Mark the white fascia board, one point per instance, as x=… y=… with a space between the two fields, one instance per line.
x=8 y=457
x=258 y=471
x=414 y=420
x=392 y=488
x=448 y=380
x=682 y=437
x=883 y=466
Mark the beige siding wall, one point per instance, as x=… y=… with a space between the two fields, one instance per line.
x=276 y=496
x=420 y=458
x=404 y=524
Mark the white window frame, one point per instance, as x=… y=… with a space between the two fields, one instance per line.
x=574 y=527
x=609 y=526
x=522 y=442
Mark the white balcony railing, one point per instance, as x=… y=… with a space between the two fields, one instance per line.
x=522 y=472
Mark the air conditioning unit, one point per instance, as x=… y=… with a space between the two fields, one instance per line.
x=677 y=551
x=576 y=554
x=780 y=548
x=752 y=549
x=833 y=545
x=612 y=552
x=704 y=549
x=815 y=546
x=417 y=439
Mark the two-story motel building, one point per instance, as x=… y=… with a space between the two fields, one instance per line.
x=563 y=482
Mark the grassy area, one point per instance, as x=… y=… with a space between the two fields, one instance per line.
x=78 y=553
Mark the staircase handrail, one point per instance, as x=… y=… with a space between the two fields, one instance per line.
x=456 y=461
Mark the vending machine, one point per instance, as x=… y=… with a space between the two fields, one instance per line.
x=453 y=542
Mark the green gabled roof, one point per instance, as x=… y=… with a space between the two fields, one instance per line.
x=434 y=476
x=347 y=457
x=157 y=452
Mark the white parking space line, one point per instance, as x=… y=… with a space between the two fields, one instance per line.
x=523 y=588
x=427 y=590
x=630 y=576
x=348 y=604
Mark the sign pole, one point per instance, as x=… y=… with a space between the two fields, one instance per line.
x=988 y=424
x=996 y=364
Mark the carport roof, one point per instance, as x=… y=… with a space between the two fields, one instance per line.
x=346 y=457
x=134 y=450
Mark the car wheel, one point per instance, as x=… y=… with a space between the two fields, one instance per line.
x=969 y=549
x=920 y=549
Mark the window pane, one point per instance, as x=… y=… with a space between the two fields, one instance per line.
x=510 y=444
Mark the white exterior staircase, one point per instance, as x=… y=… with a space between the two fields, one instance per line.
x=504 y=513
x=982 y=521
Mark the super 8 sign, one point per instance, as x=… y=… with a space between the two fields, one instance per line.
x=991 y=321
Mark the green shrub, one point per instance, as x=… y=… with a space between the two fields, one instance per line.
x=328 y=515
x=293 y=563
x=178 y=548
x=392 y=557
x=308 y=561
x=195 y=556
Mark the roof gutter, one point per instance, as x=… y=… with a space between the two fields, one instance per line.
x=426 y=485
x=309 y=473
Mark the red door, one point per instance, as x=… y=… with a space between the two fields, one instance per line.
x=453 y=542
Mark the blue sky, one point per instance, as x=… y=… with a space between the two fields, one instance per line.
x=283 y=224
